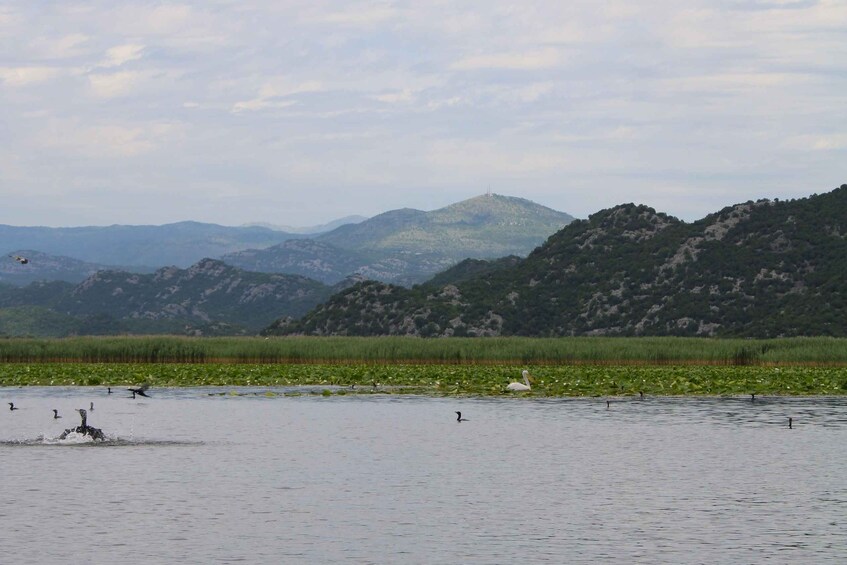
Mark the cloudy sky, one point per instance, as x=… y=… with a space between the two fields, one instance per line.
x=299 y=112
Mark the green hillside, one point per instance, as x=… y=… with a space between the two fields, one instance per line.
x=764 y=269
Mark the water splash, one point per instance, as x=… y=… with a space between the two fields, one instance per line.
x=75 y=439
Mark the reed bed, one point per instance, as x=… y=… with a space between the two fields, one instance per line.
x=513 y=351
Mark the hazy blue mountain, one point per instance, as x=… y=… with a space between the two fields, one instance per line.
x=401 y=246
x=312 y=230
x=42 y=266
x=180 y=244
x=408 y=246
x=482 y=227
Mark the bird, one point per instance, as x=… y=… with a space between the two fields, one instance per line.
x=84 y=429
x=108 y=390
x=140 y=390
x=19 y=259
x=56 y=414
x=459 y=417
x=519 y=386
x=12 y=406
x=92 y=407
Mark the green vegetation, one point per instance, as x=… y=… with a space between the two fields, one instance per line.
x=433 y=379
x=760 y=269
x=457 y=366
x=406 y=350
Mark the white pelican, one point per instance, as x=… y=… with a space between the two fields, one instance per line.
x=519 y=386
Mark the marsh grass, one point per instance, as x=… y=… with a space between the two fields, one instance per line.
x=455 y=366
x=451 y=351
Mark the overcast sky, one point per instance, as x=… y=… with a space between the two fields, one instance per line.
x=300 y=112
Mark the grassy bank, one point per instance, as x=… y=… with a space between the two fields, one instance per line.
x=551 y=380
x=456 y=351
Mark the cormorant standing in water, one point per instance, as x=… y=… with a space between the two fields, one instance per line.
x=108 y=390
x=459 y=417
x=140 y=390
x=84 y=428
x=56 y=414
x=12 y=406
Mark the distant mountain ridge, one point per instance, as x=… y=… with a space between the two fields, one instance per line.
x=408 y=246
x=402 y=246
x=756 y=269
x=179 y=244
x=313 y=230
x=42 y=266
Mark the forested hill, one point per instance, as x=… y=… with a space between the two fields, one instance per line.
x=764 y=269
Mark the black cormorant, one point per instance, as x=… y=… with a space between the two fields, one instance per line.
x=140 y=390
x=84 y=428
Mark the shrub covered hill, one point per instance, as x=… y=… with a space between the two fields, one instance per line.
x=763 y=269
x=208 y=298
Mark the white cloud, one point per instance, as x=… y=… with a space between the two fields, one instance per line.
x=358 y=15
x=404 y=96
x=272 y=95
x=26 y=76
x=64 y=47
x=838 y=141
x=166 y=18
x=120 y=54
x=107 y=140
x=533 y=60
x=821 y=142
x=112 y=85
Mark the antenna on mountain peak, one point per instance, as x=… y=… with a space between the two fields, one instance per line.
x=488 y=192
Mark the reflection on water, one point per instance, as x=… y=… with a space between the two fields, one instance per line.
x=202 y=477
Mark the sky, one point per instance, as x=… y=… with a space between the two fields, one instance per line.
x=300 y=112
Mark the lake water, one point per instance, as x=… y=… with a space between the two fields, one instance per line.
x=191 y=476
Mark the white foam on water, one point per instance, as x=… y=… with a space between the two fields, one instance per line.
x=73 y=438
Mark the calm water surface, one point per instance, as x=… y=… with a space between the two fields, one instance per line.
x=191 y=476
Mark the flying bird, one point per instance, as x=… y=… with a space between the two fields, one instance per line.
x=19 y=259
x=140 y=390
x=520 y=386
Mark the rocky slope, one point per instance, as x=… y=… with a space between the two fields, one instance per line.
x=765 y=268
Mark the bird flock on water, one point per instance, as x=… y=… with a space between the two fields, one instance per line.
x=96 y=434
x=83 y=429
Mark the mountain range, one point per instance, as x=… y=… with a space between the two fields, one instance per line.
x=758 y=269
x=401 y=246
x=243 y=291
